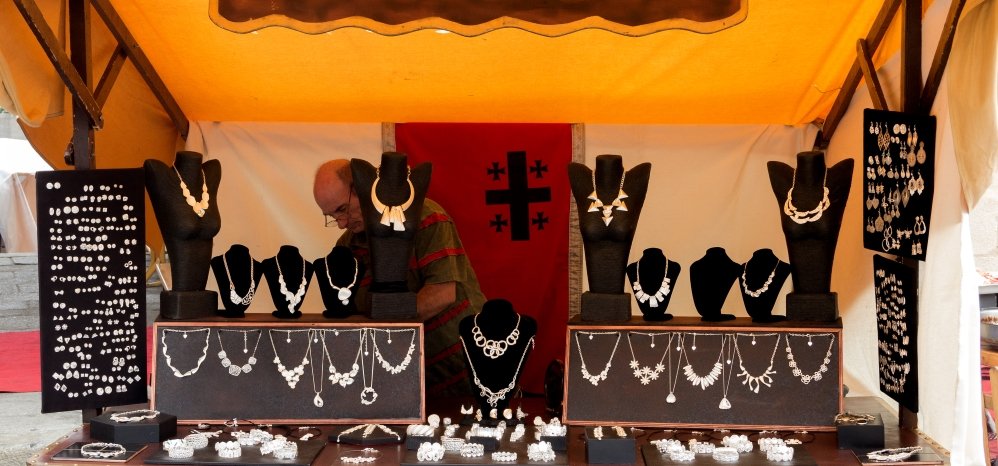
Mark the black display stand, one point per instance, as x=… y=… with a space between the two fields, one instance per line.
x=151 y=430
x=609 y=448
x=860 y=436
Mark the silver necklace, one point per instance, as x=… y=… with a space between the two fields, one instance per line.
x=169 y=360
x=233 y=296
x=292 y=298
x=392 y=215
x=293 y=375
x=198 y=206
x=755 y=382
x=343 y=293
x=367 y=396
x=663 y=289
x=495 y=348
x=342 y=378
x=393 y=369
x=801 y=217
x=715 y=372
x=493 y=397
x=765 y=286
x=726 y=372
x=607 y=210
x=674 y=380
x=817 y=375
x=314 y=334
x=235 y=370
x=596 y=379
x=646 y=374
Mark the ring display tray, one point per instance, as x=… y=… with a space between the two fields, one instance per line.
x=307 y=451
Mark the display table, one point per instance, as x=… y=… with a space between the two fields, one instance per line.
x=823 y=449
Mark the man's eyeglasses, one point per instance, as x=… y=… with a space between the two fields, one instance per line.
x=341 y=211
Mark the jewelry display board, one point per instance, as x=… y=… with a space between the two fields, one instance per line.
x=897 y=330
x=91 y=288
x=688 y=372
x=899 y=160
x=357 y=370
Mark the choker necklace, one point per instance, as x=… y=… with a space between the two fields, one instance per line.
x=235 y=370
x=715 y=371
x=663 y=290
x=250 y=293
x=292 y=298
x=646 y=374
x=493 y=397
x=755 y=382
x=342 y=378
x=607 y=210
x=765 y=286
x=204 y=351
x=596 y=379
x=343 y=293
x=392 y=215
x=381 y=359
x=495 y=348
x=293 y=375
x=201 y=206
x=367 y=396
x=802 y=217
x=817 y=375
x=314 y=334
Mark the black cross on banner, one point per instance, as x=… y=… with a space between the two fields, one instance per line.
x=518 y=196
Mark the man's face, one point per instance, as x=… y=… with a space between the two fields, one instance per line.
x=339 y=203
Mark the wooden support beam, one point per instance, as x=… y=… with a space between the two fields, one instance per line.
x=911 y=55
x=110 y=75
x=942 y=56
x=63 y=66
x=142 y=64
x=870 y=75
x=81 y=147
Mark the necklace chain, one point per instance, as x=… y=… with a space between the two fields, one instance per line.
x=368 y=395
x=646 y=374
x=715 y=372
x=234 y=369
x=495 y=348
x=234 y=297
x=659 y=295
x=607 y=210
x=754 y=382
x=392 y=215
x=596 y=379
x=293 y=375
x=817 y=375
x=393 y=369
x=344 y=379
x=292 y=298
x=493 y=397
x=169 y=360
x=343 y=293
x=198 y=206
x=765 y=286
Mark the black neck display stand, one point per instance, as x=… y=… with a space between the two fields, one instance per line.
x=763 y=270
x=811 y=245
x=340 y=269
x=188 y=237
x=711 y=277
x=607 y=245
x=496 y=323
x=654 y=268
x=291 y=264
x=245 y=274
x=391 y=244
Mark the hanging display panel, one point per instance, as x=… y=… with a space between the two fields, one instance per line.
x=91 y=287
x=897 y=330
x=899 y=162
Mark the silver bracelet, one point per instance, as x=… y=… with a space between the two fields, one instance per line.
x=668 y=445
x=472 y=450
x=893 y=454
x=429 y=451
x=681 y=456
x=228 y=449
x=180 y=450
x=452 y=443
x=701 y=447
x=767 y=443
x=102 y=450
x=504 y=456
x=367 y=455
x=288 y=452
x=541 y=452
x=780 y=453
x=197 y=441
x=725 y=454
x=134 y=416
x=420 y=430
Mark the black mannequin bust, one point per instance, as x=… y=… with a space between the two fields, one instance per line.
x=237 y=275
x=498 y=356
x=296 y=273
x=761 y=280
x=811 y=229
x=338 y=275
x=711 y=278
x=609 y=203
x=658 y=276
x=189 y=225
x=391 y=199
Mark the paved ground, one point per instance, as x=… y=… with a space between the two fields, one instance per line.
x=24 y=430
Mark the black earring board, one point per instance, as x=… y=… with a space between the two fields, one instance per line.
x=91 y=287
x=897 y=330
x=899 y=179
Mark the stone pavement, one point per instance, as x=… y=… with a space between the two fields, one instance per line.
x=24 y=430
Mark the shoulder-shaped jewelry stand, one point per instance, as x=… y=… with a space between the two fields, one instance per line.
x=761 y=280
x=609 y=200
x=183 y=199
x=391 y=199
x=236 y=271
x=653 y=277
x=711 y=278
x=812 y=199
x=496 y=344
x=288 y=274
x=338 y=275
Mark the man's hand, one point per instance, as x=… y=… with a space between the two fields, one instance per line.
x=432 y=299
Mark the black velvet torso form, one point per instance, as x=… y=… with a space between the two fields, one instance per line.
x=711 y=277
x=607 y=246
x=496 y=322
x=653 y=268
x=811 y=245
x=755 y=273
x=245 y=273
x=342 y=269
x=188 y=237
x=292 y=268
x=390 y=247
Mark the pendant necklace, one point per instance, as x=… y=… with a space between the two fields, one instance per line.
x=393 y=369
x=817 y=375
x=313 y=334
x=674 y=380
x=169 y=360
x=765 y=286
x=367 y=396
x=493 y=397
x=199 y=206
x=392 y=215
x=234 y=369
x=345 y=378
x=293 y=375
x=343 y=293
x=646 y=374
x=250 y=293
x=707 y=380
x=596 y=379
x=495 y=348
x=292 y=298
x=607 y=210
x=726 y=372
x=663 y=290
x=802 y=217
x=755 y=382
